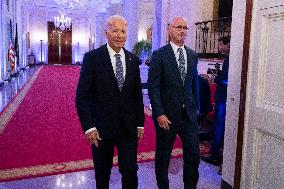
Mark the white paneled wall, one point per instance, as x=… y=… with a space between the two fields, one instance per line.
x=80 y=39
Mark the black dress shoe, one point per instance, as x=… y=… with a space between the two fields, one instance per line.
x=212 y=160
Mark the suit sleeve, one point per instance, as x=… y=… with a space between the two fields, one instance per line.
x=195 y=84
x=139 y=99
x=222 y=76
x=84 y=94
x=154 y=82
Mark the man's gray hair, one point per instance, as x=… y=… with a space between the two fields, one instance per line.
x=112 y=18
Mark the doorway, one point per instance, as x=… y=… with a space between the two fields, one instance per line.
x=59 y=45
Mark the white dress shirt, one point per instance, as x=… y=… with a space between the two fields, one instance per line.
x=112 y=54
x=113 y=62
x=175 y=49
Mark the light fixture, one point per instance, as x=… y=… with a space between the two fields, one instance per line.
x=62 y=22
x=71 y=4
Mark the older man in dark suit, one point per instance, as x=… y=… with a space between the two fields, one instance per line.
x=110 y=105
x=173 y=91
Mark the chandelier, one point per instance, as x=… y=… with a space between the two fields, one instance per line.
x=71 y=4
x=62 y=22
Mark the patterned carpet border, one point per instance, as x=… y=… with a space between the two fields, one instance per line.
x=65 y=167
x=8 y=112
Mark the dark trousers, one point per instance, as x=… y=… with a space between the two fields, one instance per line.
x=127 y=160
x=220 y=114
x=188 y=132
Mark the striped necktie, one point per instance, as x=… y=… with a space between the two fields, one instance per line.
x=119 y=71
x=181 y=65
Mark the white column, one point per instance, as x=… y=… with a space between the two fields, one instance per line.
x=80 y=39
x=156 y=33
x=22 y=35
x=19 y=20
x=100 y=29
x=114 y=8
x=130 y=12
x=2 y=51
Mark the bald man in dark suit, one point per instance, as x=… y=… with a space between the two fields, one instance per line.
x=173 y=92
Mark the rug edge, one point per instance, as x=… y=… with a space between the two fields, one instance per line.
x=11 y=108
x=66 y=167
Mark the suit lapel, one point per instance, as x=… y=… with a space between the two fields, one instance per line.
x=128 y=61
x=189 y=64
x=107 y=61
x=173 y=62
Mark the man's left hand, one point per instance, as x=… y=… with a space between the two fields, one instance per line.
x=140 y=133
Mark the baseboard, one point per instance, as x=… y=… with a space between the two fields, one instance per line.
x=225 y=185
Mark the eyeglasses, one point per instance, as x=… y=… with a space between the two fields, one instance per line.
x=180 y=27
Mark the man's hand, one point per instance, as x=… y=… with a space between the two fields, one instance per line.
x=164 y=122
x=140 y=133
x=93 y=137
x=205 y=76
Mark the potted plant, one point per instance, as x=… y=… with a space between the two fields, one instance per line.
x=143 y=49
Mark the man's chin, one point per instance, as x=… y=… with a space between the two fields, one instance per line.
x=120 y=45
x=181 y=41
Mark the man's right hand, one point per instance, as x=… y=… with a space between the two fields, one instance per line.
x=93 y=137
x=164 y=122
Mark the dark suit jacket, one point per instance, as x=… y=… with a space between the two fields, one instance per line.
x=99 y=101
x=222 y=82
x=204 y=96
x=166 y=90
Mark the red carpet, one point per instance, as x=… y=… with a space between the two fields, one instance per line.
x=40 y=133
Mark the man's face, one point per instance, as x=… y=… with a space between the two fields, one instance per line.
x=225 y=49
x=178 y=31
x=116 y=34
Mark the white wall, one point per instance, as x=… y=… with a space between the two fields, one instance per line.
x=38 y=31
x=80 y=39
x=233 y=99
x=167 y=10
x=130 y=12
x=207 y=9
x=100 y=29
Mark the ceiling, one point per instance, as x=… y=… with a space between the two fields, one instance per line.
x=92 y=6
x=47 y=9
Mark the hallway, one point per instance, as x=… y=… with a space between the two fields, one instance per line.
x=209 y=179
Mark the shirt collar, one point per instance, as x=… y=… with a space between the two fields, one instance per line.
x=112 y=52
x=175 y=47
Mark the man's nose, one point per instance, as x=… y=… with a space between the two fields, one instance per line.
x=183 y=31
x=119 y=33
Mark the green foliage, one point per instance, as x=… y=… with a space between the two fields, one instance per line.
x=141 y=46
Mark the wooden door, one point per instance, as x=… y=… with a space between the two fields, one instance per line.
x=59 y=45
x=263 y=152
